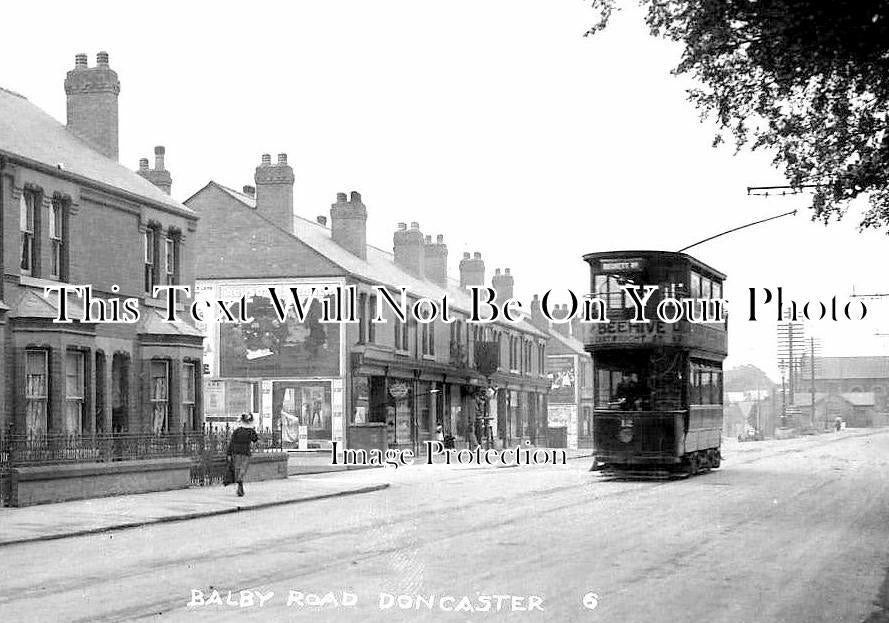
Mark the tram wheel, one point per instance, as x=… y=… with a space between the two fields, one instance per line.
x=694 y=465
x=717 y=459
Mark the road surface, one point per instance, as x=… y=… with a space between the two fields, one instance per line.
x=785 y=531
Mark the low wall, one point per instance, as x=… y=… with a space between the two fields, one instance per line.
x=267 y=466
x=45 y=484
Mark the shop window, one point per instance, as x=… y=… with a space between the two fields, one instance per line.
x=75 y=391
x=36 y=391
x=187 y=391
x=160 y=395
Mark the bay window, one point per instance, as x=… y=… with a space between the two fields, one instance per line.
x=36 y=391
x=75 y=390
x=160 y=395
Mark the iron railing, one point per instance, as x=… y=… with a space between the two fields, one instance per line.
x=206 y=448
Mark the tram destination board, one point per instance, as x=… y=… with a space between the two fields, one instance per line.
x=706 y=337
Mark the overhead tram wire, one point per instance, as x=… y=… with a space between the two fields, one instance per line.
x=771 y=218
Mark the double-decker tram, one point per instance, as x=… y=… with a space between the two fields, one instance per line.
x=658 y=384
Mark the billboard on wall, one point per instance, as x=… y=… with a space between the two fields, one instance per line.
x=269 y=348
x=563 y=380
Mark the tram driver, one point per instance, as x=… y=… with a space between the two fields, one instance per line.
x=628 y=392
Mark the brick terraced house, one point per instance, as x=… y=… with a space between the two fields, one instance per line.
x=71 y=214
x=318 y=383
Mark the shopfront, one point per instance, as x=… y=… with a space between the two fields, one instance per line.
x=288 y=374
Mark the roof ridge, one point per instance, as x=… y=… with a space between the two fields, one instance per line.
x=14 y=93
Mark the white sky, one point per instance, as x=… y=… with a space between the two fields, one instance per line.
x=494 y=123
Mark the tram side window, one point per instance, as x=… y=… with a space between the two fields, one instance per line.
x=704 y=288
x=706 y=384
x=695 y=286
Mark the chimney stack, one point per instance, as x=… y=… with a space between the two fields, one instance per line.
x=409 y=249
x=274 y=191
x=537 y=317
x=503 y=285
x=472 y=270
x=158 y=176
x=348 y=224
x=563 y=328
x=436 y=260
x=92 y=103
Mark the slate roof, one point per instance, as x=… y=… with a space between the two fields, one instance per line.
x=151 y=321
x=857 y=399
x=30 y=304
x=570 y=343
x=379 y=267
x=31 y=134
x=852 y=368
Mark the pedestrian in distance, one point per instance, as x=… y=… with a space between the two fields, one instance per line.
x=239 y=449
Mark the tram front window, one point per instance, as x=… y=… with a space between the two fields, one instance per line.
x=623 y=385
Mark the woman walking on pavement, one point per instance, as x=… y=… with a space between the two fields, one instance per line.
x=239 y=449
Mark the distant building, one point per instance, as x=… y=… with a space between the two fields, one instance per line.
x=70 y=214
x=314 y=381
x=569 y=369
x=841 y=375
x=858 y=409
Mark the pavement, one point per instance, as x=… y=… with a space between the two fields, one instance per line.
x=82 y=517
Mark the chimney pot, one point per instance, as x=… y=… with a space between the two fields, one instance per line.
x=322 y=220
x=355 y=197
x=159 y=152
x=102 y=59
x=477 y=255
x=439 y=239
x=341 y=197
x=250 y=191
x=402 y=227
x=496 y=271
x=143 y=164
x=80 y=61
x=415 y=225
x=465 y=255
x=428 y=239
x=282 y=159
x=266 y=160
x=506 y=270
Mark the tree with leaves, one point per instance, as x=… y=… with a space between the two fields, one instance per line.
x=806 y=79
